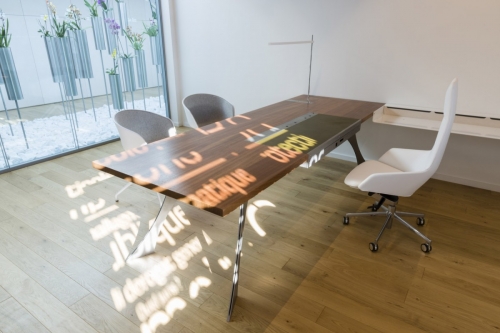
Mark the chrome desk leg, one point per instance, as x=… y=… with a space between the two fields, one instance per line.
x=148 y=244
x=239 y=245
x=354 y=143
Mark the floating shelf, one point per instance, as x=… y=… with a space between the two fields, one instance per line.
x=484 y=127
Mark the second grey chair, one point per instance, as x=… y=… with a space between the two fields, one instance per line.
x=137 y=128
x=205 y=109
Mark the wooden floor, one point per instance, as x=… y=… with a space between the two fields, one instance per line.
x=63 y=240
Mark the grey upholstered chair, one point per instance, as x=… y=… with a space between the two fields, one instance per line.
x=205 y=109
x=137 y=128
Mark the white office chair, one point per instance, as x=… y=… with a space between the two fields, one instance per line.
x=400 y=172
x=137 y=128
x=205 y=109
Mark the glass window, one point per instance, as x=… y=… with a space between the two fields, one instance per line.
x=68 y=66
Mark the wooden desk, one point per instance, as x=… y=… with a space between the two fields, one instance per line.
x=221 y=166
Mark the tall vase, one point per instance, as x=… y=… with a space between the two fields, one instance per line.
x=81 y=54
x=123 y=14
x=67 y=65
x=110 y=37
x=99 y=42
x=116 y=91
x=140 y=64
x=128 y=73
x=156 y=49
x=54 y=62
x=9 y=73
x=11 y=82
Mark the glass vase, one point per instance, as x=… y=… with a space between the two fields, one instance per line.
x=110 y=37
x=98 y=31
x=66 y=65
x=140 y=65
x=81 y=54
x=116 y=91
x=9 y=73
x=156 y=49
x=55 y=68
x=123 y=14
x=128 y=73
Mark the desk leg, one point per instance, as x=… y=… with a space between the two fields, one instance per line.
x=148 y=244
x=357 y=152
x=239 y=246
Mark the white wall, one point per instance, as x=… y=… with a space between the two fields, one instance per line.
x=400 y=52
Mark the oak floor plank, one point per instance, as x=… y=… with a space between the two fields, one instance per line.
x=13 y=194
x=44 y=307
x=101 y=316
x=63 y=238
x=20 y=182
x=3 y=294
x=49 y=277
x=14 y=318
x=337 y=322
x=454 y=310
x=82 y=273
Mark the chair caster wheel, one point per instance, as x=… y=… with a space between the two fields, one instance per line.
x=373 y=247
x=346 y=220
x=426 y=248
x=420 y=221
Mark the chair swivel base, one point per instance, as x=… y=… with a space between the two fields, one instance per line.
x=391 y=213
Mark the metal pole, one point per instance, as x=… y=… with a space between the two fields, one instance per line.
x=144 y=97
x=7 y=113
x=105 y=84
x=83 y=98
x=73 y=128
x=164 y=58
x=92 y=99
x=4 y=153
x=158 y=83
x=74 y=111
x=310 y=66
x=21 y=122
x=63 y=102
x=133 y=103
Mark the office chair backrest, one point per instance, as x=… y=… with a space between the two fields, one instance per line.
x=450 y=106
x=418 y=166
x=205 y=109
x=137 y=127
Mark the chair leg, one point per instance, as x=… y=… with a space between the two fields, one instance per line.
x=121 y=191
x=410 y=214
x=374 y=245
x=409 y=226
x=366 y=214
x=392 y=213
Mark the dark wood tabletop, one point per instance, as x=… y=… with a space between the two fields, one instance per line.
x=220 y=166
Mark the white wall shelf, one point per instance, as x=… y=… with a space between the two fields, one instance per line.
x=467 y=125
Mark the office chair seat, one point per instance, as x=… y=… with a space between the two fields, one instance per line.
x=400 y=172
x=365 y=170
